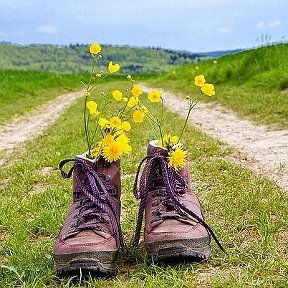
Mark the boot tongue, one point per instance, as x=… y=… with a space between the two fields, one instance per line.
x=109 y=174
x=154 y=148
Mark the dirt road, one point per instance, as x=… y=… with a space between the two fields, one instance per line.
x=23 y=128
x=260 y=149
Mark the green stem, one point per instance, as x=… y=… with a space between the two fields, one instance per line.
x=161 y=122
x=191 y=106
x=86 y=126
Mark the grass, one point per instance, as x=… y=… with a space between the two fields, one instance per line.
x=21 y=91
x=252 y=83
x=248 y=214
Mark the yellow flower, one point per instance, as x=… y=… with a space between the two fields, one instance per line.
x=154 y=96
x=115 y=122
x=112 y=151
x=95 y=48
x=136 y=90
x=138 y=116
x=123 y=141
x=200 y=80
x=197 y=67
x=97 y=149
x=126 y=126
x=108 y=139
x=177 y=158
x=174 y=140
x=169 y=140
x=103 y=122
x=208 y=89
x=132 y=102
x=92 y=107
x=215 y=62
x=117 y=95
x=113 y=67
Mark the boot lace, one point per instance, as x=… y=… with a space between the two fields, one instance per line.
x=173 y=186
x=97 y=199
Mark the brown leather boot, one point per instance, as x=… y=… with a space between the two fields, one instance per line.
x=175 y=229
x=91 y=235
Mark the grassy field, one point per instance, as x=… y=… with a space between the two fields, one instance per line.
x=249 y=215
x=22 y=91
x=253 y=83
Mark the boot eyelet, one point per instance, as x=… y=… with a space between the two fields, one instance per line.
x=113 y=191
x=106 y=177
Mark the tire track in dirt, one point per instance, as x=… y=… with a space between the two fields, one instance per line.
x=23 y=128
x=262 y=150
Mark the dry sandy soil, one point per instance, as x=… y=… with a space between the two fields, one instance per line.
x=22 y=128
x=260 y=149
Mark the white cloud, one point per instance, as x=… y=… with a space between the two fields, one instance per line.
x=46 y=29
x=272 y=24
x=260 y=25
x=224 y=30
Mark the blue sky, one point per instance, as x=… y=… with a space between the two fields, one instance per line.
x=196 y=26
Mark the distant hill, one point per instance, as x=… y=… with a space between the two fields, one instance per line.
x=263 y=67
x=217 y=54
x=76 y=59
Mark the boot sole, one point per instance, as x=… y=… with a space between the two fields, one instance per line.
x=183 y=250
x=101 y=264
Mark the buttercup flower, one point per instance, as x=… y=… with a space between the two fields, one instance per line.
x=117 y=95
x=138 y=116
x=126 y=126
x=106 y=136
x=208 y=89
x=103 y=122
x=136 y=90
x=95 y=48
x=199 y=80
x=92 y=107
x=177 y=158
x=115 y=122
x=113 y=68
x=132 y=102
x=169 y=141
x=154 y=96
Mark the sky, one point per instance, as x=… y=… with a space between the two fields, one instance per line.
x=196 y=26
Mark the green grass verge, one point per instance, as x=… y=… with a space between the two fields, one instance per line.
x=248 y=214
x=21 y=91
x=253 y=83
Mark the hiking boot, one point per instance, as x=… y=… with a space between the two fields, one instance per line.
x=91 y=235
x=175 y=229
